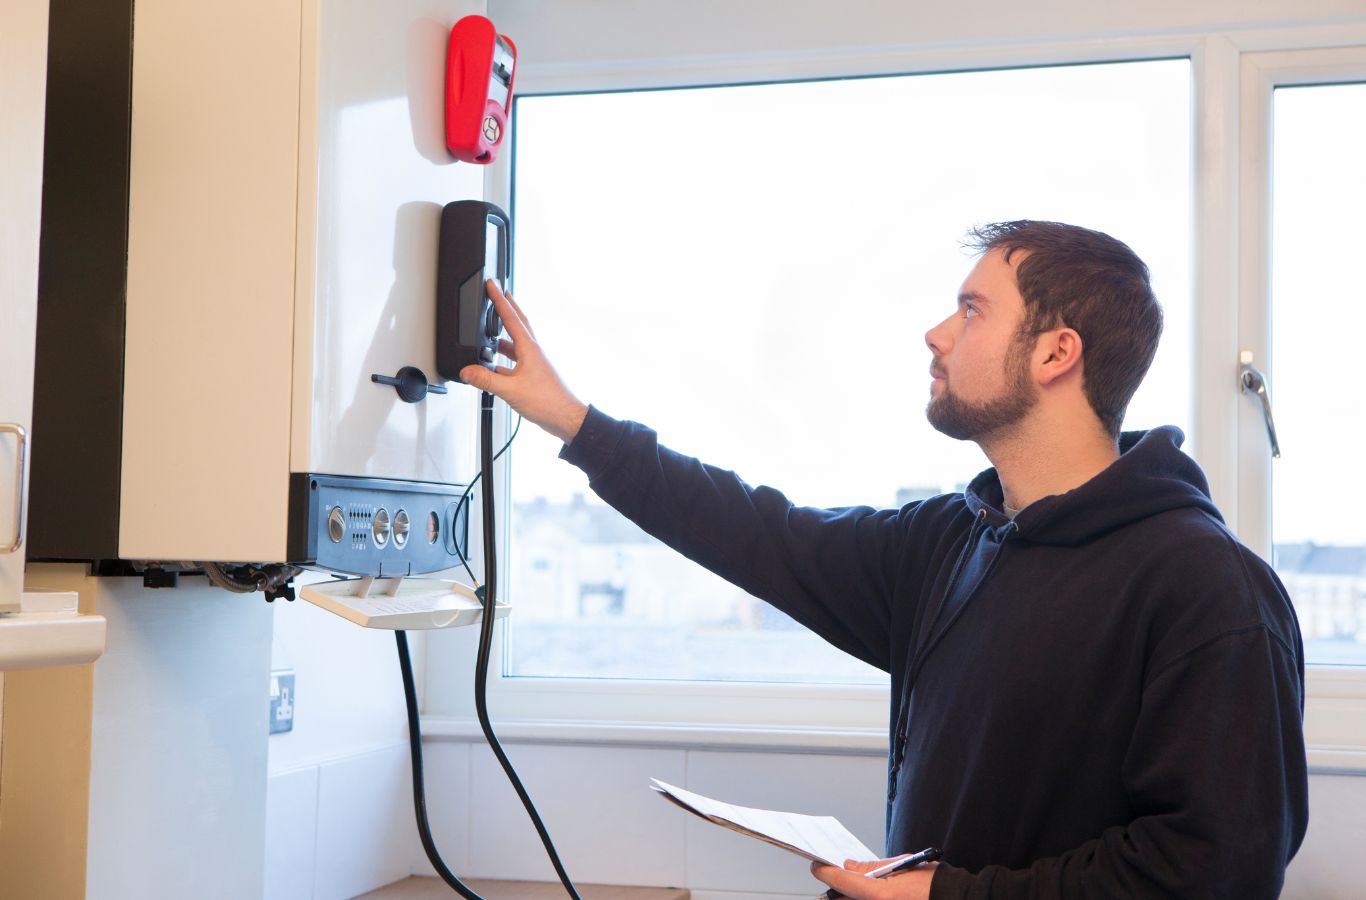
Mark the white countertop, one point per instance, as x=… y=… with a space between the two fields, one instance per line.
x=49 y=631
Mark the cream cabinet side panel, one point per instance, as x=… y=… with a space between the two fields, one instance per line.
x=210 y=280
x=45 y=761
x=382 y=176
x=23 y=80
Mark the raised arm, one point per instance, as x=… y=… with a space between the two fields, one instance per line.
x=532 y=387
x=831 y=570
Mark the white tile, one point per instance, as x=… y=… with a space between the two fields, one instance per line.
x=178 y=744
x=291 y=832
x=850 y=788
x=446 y=770
x=366 y=834
x=607 y=825
x=731 y=895
x=1330 y=864
x=347 y=686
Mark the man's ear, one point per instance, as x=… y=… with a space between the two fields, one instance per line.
x=1059 y=353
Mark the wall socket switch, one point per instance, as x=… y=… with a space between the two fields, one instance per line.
x=281 y=700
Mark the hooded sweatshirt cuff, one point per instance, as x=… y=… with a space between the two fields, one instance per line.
x=594 y=447
x=951 y=883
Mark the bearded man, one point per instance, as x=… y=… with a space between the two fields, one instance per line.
x=1096 y=689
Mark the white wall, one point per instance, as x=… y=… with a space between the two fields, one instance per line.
x=347 y=685
x=610 y=828
x=1330 y=865
x=178 y=739
x=340 y=814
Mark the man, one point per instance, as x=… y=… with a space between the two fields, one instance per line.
x=1097 y=691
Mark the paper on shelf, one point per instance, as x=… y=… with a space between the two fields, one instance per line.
x=818 y=838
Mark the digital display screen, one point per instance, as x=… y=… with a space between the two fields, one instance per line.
x=492 y=257
x=500 y=79
x=498 y=91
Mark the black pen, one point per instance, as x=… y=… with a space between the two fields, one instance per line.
x=929 y=854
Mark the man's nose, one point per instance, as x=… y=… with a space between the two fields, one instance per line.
x=937 y=339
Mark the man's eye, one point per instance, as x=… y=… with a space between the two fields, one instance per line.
x=969 y=310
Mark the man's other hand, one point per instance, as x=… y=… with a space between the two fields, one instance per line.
x=913 y=884
x=531 y=386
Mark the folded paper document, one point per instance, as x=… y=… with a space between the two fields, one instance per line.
x=818 y=838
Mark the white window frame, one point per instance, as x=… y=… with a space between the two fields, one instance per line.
x=1226 y=223
x=1335 y=713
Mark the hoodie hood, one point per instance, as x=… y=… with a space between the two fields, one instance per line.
x=1151 y=476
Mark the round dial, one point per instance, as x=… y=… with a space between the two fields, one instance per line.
x=380 y=527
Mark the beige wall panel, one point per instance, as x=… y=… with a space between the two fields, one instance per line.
x=210 y=280
x=45 y=745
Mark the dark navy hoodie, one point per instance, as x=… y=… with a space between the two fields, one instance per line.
x=1100 y=698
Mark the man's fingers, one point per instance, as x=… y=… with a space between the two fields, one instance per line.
x=851 y=884
x=861 y=866
x=851 y=880
x=509 y=313
x=479 y=377
x=512 y=301
x=872 y=864
x=507 y=348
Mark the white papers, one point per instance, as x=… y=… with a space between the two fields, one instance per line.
x=818 y=838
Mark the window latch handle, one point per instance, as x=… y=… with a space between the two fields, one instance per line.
x=19 y=432
x=1252 y=381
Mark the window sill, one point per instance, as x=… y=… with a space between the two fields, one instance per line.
x=1324 y=759
x=1337 y=761
x=756 y=739
x=1335 y=717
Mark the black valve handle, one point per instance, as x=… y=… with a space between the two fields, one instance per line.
x=410 y=383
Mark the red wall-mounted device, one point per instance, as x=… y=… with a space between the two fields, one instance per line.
x=480 y=64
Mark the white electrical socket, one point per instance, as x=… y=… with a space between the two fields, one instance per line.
x=281 y=700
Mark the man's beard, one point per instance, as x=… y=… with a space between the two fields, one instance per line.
x=965 y=421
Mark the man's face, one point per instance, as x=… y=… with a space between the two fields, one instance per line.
x=981 y=365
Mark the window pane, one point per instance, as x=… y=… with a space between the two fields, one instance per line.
x=1318 y=322
x=751 y=270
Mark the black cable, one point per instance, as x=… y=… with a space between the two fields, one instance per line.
x=481 y=669
x=424 y=831
x=470 y=487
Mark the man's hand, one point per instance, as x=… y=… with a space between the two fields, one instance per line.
x=913 y=884
x=532 y=387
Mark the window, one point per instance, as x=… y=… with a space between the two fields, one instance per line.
x=751 y=270
x=1304 y=114
x=1290 y=243
x=1318 y=319
x=1235 y=74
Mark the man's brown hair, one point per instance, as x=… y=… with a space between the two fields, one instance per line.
x=1084 y=280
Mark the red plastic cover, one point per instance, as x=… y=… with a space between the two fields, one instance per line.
x=480 y=65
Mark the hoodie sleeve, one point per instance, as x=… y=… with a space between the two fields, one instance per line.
x=1218 y=781
x=830 y=569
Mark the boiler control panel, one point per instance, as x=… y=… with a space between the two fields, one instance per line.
x=376 y=527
